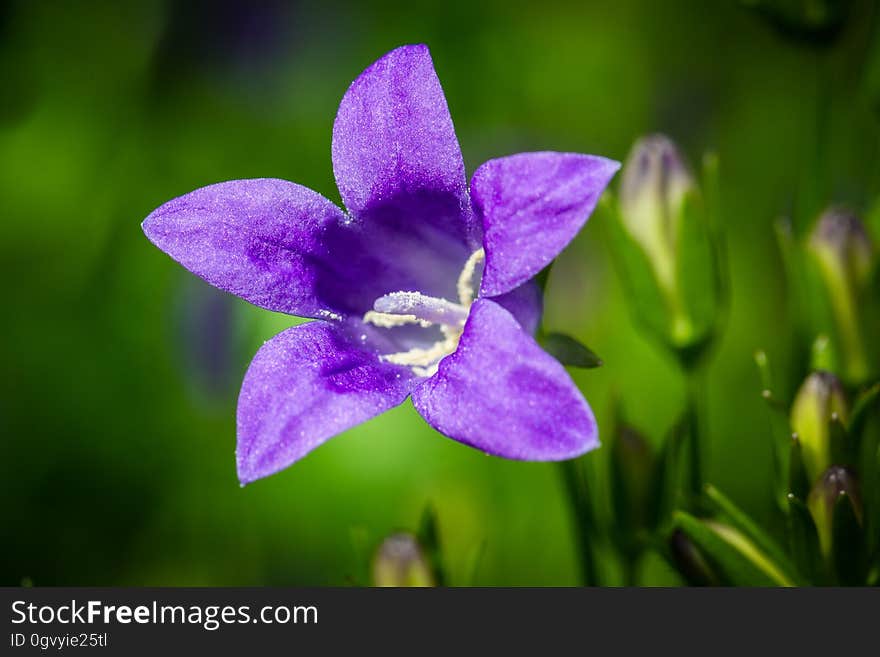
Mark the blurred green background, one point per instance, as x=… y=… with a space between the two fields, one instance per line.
x=117 y=406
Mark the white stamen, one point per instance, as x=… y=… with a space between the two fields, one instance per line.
x=424 y=362
x=406 y=308
x=388 y=320
x=466 y=278
x=416 y=304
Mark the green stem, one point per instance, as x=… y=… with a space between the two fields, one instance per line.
x=695 y=387
x=578 y=493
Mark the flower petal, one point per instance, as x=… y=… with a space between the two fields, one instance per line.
x=259 y=239
x=395 y=151
x=284 y=247
x=525 y=303
x=503 y=394
x=306 y=385
x=532 y=205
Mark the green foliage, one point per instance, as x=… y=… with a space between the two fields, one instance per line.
x=429 y=538
x=733 y=555
x=569 y=351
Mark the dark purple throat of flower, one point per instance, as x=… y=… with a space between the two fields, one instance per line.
x=420 y=287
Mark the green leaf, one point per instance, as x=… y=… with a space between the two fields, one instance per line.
x=697 y=273
x=862 y=406
x=763 y=364
x=870 y=481
x=788 y=247
x=740 y=560
x=711 y=184
x=848 y=543
x=691 y=563
x=429 y=538
x=798 y=481
x=633 y=470
x=841 y=445
x=780 y=429
x=741 y=521
x=669 y=475
x=569 y=351
x=577 y=487
x=472 y=563
x=803 y=540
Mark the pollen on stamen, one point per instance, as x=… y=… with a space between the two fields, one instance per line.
x=408 y=307
x=466 y=280
x=389 y=320
x=430 y=309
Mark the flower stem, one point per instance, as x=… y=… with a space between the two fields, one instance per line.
x=695 y=387
x=578 y=493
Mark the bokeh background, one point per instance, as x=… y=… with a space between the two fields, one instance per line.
x=120 y=369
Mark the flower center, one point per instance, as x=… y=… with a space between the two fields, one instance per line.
x=407 y=308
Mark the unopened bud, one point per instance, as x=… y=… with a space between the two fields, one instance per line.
x=819 y=404
x=667 y=247
x=842 y=249
x=836 y=482
x=654 y=184
x=400 y=561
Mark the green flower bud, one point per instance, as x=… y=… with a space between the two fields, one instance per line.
x=845 y=257
x=665 y=246
x=654 y=184
x=633 y=474
x=400 y=561
x=819 y=405
x=835 y=484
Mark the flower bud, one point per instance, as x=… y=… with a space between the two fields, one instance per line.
x=835 y=483
x=819 y=405
x=654 y=184
x=400 y=561
x=667 y=250
x=633 y=478
x=845 y=258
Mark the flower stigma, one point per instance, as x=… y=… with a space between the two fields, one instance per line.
x=406 y=308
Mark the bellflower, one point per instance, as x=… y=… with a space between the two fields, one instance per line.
x=421 y=287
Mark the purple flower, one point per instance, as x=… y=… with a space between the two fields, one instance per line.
x=422 y=288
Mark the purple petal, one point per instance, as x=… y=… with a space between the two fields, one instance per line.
x=259 y=239
x=532 y=205
x=306 y=385
x=395 y=154
x=525 y=303
x=503 y=394
x=284 y=247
